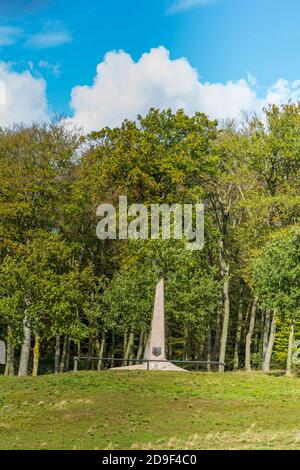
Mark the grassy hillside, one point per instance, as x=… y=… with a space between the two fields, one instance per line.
x=123 y=410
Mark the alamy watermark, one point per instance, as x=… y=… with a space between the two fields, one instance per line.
x=160 y=221
x=2 y=93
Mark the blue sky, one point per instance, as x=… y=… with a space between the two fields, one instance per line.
x=62 y=42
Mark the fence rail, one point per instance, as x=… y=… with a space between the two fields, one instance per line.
x=77 y=359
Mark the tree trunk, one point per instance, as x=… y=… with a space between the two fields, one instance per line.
x=125 y=342
x=269 y=350
x=90 y=363
x=57 y=354
x=147 y=347
x=238 y=335
x=226 y=304
x=208 y=356
x=10 y=356
x=186 y=345
x=62 y=365
x=130 y=344
x=141 y=347
x=68 y=355
x=249 y=336
x=101 y=350
x=290 y=350
x=25 y=350
x=216 y=347
x=266 y=333
x=36 y=356
x=112 y=355
x=169 y=343
x=131 y=355
x=97 y=348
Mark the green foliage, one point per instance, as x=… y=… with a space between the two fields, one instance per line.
x=41 y=280
x=55 y=273
x=277 y=272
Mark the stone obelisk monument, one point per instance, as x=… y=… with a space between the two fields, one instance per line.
x=155 y=348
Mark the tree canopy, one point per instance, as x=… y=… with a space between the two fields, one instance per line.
x=64 y=292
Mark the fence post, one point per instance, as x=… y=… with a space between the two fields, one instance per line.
x=76 y=360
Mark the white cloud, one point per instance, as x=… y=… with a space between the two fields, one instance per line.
x=123 y=88
x=283 y=91
x=54 y=69
x=180 y=5
x=53 y=34
x=9 y=35
x=25 y=97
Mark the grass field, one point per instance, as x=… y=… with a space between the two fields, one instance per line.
x=144 y=410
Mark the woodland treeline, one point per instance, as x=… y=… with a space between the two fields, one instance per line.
x=64 y=292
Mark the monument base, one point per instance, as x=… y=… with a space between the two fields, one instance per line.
x=164 y=366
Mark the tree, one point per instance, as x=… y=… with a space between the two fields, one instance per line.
x=42 y=290
x=277 y=279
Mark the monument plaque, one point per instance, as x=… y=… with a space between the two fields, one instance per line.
x=156 y=351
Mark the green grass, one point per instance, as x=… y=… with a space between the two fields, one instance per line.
x=150 y=410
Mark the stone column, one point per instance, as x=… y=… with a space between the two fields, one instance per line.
x=157 y=336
